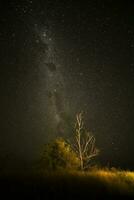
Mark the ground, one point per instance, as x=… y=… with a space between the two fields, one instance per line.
x=69 y=185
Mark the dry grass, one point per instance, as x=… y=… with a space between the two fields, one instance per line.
x=102 y=181
x=94 y=184
x=121 y=181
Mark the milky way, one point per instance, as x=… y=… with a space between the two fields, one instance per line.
x=54 y=86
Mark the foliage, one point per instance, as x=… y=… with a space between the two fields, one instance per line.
x=58 y=155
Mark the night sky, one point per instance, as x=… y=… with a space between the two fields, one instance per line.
x=58 y=58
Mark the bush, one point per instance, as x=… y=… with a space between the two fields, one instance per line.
x=58 y=154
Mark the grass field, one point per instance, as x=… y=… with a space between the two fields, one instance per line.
x=69 y=185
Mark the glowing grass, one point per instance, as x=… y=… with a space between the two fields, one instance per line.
x=74 y=184
x=101 y=181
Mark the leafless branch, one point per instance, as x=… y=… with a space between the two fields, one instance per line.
x=84 y=145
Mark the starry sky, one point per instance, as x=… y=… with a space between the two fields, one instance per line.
x=62 y=57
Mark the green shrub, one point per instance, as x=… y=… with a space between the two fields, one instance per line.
x=59 y=155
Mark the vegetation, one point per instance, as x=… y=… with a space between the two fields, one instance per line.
x=59 y=177
x=94 y=183
x=60 y=154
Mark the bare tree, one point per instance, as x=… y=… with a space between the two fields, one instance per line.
x=84 y=143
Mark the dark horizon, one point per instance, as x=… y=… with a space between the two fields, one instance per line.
x=61 y=57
